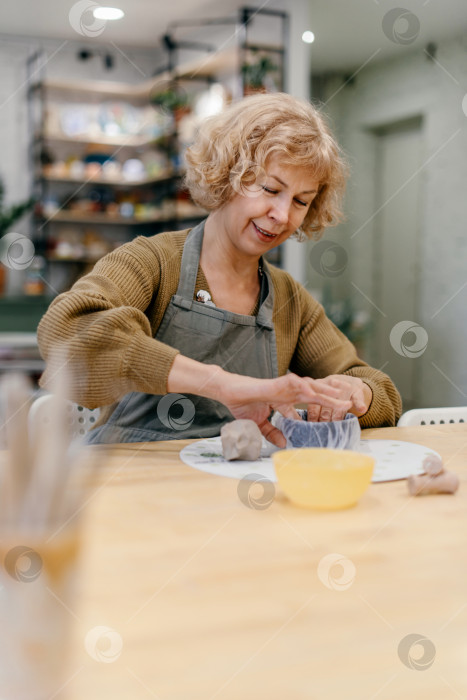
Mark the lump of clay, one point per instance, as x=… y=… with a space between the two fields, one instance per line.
x=341 y=434
x=435 y=479
x=446 y=482
x=433 y=465
x=241 y=439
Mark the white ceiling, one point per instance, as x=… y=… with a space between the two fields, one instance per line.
x=347 y=32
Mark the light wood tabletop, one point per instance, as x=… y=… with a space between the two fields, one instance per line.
x=204 y=597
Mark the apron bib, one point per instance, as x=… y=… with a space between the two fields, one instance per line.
x=239 y=344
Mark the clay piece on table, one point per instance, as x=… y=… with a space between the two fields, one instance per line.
x=434 y=480
x=241 y=439
x=433 y=465
x=446 y=482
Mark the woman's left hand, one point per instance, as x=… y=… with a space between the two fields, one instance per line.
x=350 y=389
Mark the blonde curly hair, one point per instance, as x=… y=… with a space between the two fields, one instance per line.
x=232 y=147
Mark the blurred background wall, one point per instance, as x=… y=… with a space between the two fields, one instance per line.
x=402 y=123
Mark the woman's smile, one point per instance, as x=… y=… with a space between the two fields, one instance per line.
x=263 y=234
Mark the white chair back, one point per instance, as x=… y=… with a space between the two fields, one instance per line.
x=433 y=416
x=80 y=419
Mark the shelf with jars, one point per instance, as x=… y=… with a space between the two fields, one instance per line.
x=108 y=157
x=105 y=170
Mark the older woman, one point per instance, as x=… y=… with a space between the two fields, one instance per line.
x=181 y=332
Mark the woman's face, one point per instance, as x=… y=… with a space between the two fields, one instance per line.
x=265 y=215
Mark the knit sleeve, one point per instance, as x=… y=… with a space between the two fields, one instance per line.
x=323 y=350
x=99 y=329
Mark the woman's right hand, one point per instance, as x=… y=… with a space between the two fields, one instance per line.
x=246 y=397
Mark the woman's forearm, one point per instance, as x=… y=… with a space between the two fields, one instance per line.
x=188 y=376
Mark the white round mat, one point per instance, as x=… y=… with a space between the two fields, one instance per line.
x=395 y=459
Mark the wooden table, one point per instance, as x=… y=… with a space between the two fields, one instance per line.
x=212 y=599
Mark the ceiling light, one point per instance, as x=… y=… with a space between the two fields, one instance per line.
x=308 y=37
x=108 y=13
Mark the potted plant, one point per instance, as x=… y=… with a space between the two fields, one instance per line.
x=255 y=74
x=173 y=99
x=9 y=216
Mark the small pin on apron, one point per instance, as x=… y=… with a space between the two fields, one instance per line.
x=204 y=297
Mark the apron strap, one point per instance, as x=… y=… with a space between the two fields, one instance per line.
x=190 y=262
x=264 y=317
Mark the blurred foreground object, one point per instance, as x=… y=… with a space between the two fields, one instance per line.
x=40 y=497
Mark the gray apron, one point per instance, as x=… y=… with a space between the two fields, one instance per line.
x=240 y=344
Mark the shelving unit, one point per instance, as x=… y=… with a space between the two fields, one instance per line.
x=86 y=133
x=88 y=204
x=108 y=181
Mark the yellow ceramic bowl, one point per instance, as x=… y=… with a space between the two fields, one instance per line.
x=315 y=477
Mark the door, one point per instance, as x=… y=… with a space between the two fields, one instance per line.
x=400 y=339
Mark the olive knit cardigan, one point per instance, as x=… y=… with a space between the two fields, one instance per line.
x=104 y=328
